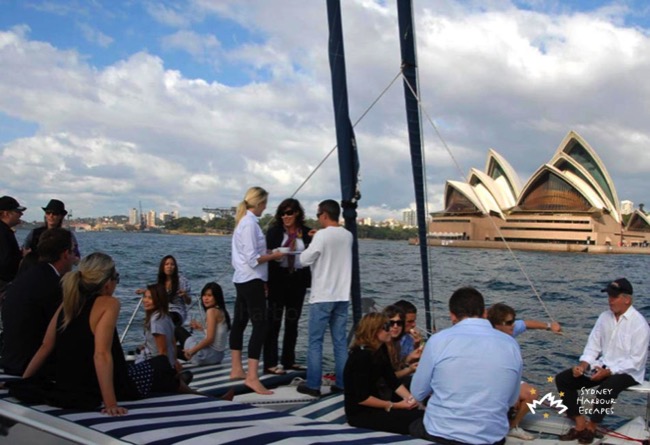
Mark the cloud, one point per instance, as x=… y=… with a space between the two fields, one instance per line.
x=493 y=76
x=202 y=47
x=95 y=36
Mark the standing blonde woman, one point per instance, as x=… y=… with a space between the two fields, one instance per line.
x=250 y=260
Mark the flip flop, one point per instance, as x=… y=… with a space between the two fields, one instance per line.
x=275 y=371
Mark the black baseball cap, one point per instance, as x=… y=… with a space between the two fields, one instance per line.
x=618 y=286
x=9 y=203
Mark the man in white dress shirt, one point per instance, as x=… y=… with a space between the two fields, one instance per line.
x=613 y=359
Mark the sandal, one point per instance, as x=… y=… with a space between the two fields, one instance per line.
x=276 y=370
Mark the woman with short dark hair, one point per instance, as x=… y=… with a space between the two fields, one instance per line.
x=288 y=283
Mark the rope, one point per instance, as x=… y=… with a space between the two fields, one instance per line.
x=456 y=163
x=326 y=157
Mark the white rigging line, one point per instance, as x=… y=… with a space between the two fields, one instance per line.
x=460 y=171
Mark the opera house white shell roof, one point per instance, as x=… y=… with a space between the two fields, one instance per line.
x=575 y=180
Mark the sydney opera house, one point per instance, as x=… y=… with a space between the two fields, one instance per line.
x=571 y=201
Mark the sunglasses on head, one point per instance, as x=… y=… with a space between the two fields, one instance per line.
x=288 y=213
x=509 y=322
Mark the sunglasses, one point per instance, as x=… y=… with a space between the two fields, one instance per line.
x=50 y=212
x=508 y=322
x=386 y=326
x=116 y=277
x=396 y=322
x=288 y=213
x=318 y=214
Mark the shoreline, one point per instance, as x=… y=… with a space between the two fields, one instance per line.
x=535 y=247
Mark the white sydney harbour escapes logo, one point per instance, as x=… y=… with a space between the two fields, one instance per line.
x=551 y=401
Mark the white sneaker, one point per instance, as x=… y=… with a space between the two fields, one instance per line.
x=519 y=433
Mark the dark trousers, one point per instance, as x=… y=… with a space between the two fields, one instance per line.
x=286 y=296
x=608 y=389
x=249 y=304
x=417 y=429
x=397 y=421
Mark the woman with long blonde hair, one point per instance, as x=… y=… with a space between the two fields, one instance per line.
x=90 y=364
x=367 y=368
x=250 y=259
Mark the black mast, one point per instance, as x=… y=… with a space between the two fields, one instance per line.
x=347 y=146
x=409 y=70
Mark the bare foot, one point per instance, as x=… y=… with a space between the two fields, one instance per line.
x=257 y=386
x=237 y=375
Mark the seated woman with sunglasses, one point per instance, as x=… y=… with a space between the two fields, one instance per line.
x=288 y=283
x=367 y=366
x=503 y=319
x=404 y=366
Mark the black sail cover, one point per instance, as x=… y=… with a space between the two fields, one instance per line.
x=347 y=146
x=409 y=70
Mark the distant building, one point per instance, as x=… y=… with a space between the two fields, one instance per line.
x=390 y=222
x=409 y=218
x=133 y=217
x=175 y=214
x=151 y=218
x=569 y=200
x=627 y=207
x=219 y=212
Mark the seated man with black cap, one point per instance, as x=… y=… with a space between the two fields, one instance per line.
x=613 y=359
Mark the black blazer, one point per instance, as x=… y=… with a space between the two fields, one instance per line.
x=30 y=302
x=274 y=239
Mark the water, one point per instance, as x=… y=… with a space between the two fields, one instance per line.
x=568 y=284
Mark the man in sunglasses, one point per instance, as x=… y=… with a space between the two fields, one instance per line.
x=472 y=374
x=33 y=298
x=613 y=359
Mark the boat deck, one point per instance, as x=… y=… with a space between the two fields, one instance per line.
x=188 y=419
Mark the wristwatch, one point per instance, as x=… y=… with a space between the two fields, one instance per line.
x=389 y=407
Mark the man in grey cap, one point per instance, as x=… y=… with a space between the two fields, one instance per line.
x=613 y=359
x=10 y=254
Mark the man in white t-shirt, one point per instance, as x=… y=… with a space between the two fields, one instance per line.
x=330 y=258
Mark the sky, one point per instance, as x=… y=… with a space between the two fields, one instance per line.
x=180 y=105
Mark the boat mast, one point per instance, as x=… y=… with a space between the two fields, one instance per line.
x=347 y=146
x=409 y=70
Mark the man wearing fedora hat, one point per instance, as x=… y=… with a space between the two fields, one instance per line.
x=10 y=254
x=613 y=359
x=55 y=213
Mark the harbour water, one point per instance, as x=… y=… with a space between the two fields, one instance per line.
x=568 y=285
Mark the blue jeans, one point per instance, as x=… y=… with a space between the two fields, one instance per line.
x=334 y=314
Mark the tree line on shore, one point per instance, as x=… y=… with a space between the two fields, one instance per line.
x=226 y=225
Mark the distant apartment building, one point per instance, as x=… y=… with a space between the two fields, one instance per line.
x=133 y=217
x=409 y=218
x=151 y=218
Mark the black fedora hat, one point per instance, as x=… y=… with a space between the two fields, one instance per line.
x=55 y=206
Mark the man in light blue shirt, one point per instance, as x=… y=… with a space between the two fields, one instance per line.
x=472 y=373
